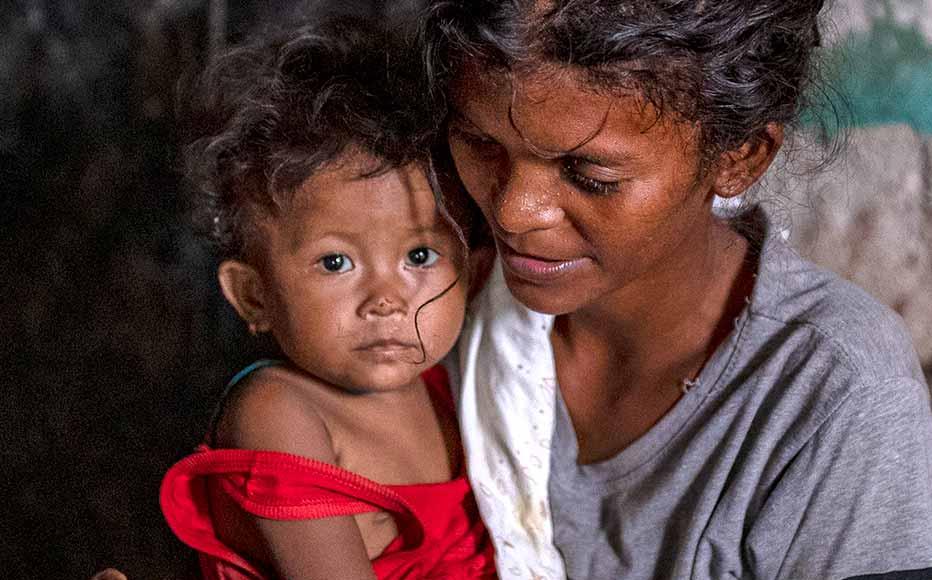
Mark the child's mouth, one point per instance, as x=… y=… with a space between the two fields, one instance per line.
x=386 y=345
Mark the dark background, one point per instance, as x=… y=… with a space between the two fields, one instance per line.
x=114 y=340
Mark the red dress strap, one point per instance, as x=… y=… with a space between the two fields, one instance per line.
x=273 y=485
x=440 y=532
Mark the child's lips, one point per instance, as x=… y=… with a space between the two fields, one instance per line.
x=390 y=351
x=386 y=345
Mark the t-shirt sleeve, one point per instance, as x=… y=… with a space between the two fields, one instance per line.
x=856 y=501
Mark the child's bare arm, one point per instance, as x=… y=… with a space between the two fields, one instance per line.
x=274 y=417
x=311 y=549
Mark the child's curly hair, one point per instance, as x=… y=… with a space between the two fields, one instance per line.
x=729 y=66
x=263 y=117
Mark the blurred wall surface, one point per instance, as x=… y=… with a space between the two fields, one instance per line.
x=882 y=52
x=115 y=342
x=111 y=329
x=868 y=215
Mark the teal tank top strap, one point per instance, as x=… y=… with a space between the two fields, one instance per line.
x=245 y=372
x=237 y=378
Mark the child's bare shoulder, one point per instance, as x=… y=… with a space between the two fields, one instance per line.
x=276 y=409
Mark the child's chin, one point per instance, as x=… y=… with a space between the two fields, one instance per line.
x=384 y=378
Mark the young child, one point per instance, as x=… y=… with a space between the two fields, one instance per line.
x=342 y=460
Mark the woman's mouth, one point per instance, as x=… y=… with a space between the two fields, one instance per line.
x=536 y=269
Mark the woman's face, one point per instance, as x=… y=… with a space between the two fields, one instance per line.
x=589 y=196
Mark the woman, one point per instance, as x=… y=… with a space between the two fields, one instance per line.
x=665 y=393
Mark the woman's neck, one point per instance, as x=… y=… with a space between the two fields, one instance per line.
x=627 y=356
x=680 y=305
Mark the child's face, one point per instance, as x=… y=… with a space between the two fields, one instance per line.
x=347 y=267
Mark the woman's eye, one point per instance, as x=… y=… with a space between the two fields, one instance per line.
x=472 y=140
x=422 y=257
x=573 y=170
x=336 y=263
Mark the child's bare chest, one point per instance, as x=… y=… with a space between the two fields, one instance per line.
x=413 y=447
x=399 y=449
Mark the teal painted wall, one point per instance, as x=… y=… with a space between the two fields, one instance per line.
x=881 y=61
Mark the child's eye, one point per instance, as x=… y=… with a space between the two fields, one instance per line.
x=336 y=263
x=422 y=257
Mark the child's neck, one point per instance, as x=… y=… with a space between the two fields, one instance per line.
x=377 y=396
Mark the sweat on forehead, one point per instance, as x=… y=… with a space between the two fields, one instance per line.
x=484 y=101
x=731 y=66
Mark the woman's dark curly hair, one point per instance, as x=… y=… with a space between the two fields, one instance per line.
x=729 y=66
x=263 y=117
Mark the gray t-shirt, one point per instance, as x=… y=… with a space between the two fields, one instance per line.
x=804 y=452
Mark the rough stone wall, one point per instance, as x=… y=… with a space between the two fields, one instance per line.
x=866 y=216
x=859 y=15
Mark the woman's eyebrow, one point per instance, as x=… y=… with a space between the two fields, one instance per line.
x=587 y=151
x=604 y=158
x=460 y=117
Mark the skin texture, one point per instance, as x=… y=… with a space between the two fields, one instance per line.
x=371 y=224
x=343 y=270
x=602 y=216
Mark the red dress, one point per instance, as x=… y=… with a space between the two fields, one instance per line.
x=440 y=535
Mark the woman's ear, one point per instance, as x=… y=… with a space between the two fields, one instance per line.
x=740 y=168
x=243 y=288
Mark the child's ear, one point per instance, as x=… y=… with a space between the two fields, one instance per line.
x=740 y=168
x=243 y=288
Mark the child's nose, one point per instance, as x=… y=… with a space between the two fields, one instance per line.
x=384 y=301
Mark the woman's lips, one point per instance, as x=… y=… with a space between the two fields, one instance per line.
x=535 y=269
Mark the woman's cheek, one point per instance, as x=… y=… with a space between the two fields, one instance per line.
x=474 y=172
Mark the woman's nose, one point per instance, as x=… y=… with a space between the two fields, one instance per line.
x=523 y=202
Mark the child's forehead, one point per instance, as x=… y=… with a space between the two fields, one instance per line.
x=348 y=197
x=359 y=177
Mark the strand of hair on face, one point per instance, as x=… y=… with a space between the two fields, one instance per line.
x=417 y=313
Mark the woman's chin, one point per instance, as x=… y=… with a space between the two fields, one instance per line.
x=551 y=300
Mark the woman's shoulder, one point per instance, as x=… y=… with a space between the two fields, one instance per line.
x=802 y=307
x=817 y=357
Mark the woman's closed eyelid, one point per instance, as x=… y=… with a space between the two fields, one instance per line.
x=460 y=120
x=605 y=184
x=471 y=135
x=595 y=169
